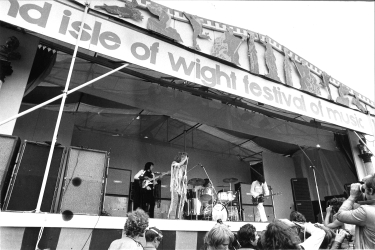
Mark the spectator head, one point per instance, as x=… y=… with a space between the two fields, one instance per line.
x=136 y=223
x=149 y=166
x=219 y=237
x=279 y=235
x=369 y=187
x=154 y=236
x=247 y=236
x=180 y=156
x=297 y=217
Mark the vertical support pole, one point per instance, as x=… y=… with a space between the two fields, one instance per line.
x=54 y=138
x=317 y=191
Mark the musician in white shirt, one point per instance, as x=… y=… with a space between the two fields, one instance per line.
x=259 y=189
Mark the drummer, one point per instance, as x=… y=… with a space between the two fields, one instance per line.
x=208 y=184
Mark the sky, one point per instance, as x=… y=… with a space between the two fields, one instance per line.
x=335 y=36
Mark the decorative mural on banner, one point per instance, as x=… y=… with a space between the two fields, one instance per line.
x=325 y=84
x=197 y=25
x=342 y=98
x=270 y=60
x=104 y=35
x=287 y=68
x=357 y=103
x=162 y=25
x=308 y=82
x=252 y=53
x=226 y=47
x=128 y=11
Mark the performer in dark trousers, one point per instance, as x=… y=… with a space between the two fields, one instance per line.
x=147 y=182
x=259 y=189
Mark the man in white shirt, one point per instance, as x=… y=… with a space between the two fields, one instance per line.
x=259 y=189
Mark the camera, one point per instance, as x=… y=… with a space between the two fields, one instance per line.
x=347 y=187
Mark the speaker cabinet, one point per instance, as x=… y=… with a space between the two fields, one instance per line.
x=118 y=181
x=27 y=178
x=161 y=209
x=301 y=198
x=84 y=181
x=248 y=212
x=9 y=146
x=243 y=190
x=116 y=206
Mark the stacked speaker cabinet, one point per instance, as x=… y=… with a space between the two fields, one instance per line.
x=244 y=199
x=9 y=146
x=84 y=181
x=27 y=177
x=116 y=199
x=301 y=198
x=247 y=208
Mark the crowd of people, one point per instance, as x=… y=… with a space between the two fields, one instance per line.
x=292 y=233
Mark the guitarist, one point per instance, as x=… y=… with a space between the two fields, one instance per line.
x=259 y=189
x=147 y=193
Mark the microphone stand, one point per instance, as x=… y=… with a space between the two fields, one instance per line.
x=316 y=184
x=209 y=180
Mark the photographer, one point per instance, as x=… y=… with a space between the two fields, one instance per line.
x=363 y=216
x=340 y=236
x=330 y=219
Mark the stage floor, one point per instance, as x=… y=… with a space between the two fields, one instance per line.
x=21 y=230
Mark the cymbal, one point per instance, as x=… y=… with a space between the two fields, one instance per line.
x=230 y=180
x=222 y=186
x=196 y=181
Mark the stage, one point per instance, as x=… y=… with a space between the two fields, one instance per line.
x=21 y=230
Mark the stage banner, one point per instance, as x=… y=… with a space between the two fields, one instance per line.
x=62 y=22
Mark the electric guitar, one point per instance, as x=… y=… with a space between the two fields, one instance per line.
x=261 y=197
x=147 y=182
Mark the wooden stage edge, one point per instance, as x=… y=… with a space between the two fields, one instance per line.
x=29 y=219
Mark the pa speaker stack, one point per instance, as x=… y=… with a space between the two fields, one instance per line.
x=9 y=146
x=301 y=198
x=84 y=181
x=27 y=177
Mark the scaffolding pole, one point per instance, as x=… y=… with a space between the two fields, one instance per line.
x=64 y=95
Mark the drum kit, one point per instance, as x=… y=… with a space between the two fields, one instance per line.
x=204 y=203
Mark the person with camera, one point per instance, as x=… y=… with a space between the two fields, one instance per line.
x=330 y=220
x=363 y=216
x=341 y=235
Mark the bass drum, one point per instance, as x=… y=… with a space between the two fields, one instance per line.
x=219 y=211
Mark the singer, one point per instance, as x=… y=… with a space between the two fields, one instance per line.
x=178 y=185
